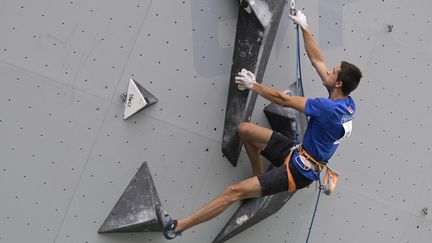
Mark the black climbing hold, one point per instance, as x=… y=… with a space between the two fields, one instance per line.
x=283 y=119
x=280 y=119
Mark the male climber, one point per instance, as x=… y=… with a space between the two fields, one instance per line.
x=329 y=124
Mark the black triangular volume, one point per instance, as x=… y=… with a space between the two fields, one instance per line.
x=283 y=119
x=257 y=25
x=280 y=119
x=135 y=210
x=250 y=212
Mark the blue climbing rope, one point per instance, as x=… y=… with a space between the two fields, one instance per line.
x=316 y=207
x=299 y=85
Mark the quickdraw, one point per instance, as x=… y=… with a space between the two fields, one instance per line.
x=292 y=7
x=331 y=176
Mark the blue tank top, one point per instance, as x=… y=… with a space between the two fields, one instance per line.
x=330 y=122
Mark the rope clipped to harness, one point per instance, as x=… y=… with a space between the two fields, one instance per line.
x=328 y=189
x=315 y=210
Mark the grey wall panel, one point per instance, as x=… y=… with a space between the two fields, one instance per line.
x=185 y=177
x=406 y=120
x=69 y=40
x=419 y=230
x=48 y=131
x=213 y=29
x=424 y=197
x=165 y=62
x=67 y=154
x=350 y=217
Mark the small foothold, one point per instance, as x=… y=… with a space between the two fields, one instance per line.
x=241 y=220
x=425 y=211
x=390 y=28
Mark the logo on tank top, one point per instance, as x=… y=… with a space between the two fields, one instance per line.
x=346 y=118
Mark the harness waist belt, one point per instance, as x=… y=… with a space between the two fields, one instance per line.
x=308 y=164
x=308 y=160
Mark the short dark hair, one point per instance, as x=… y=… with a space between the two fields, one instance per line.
x=350 y=76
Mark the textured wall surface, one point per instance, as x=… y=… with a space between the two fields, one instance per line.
x=67 y=154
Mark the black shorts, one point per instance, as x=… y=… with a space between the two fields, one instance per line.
x=276 y=179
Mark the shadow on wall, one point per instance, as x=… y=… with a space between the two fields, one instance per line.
x=331 y=23
x=214 y=26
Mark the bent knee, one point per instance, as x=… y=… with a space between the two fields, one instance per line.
x=244 y=129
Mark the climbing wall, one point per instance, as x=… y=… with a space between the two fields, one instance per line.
x=67 y=154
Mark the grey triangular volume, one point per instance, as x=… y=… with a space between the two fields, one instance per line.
x=149 y=97
x=136 y=98
x=135 y=210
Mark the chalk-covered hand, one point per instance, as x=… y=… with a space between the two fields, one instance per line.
x=299 y=18
x=245 y=79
